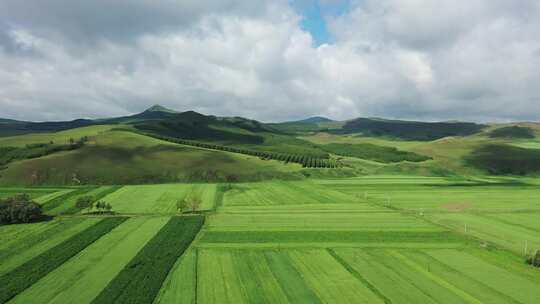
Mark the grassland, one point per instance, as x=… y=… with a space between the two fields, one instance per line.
x=120 y=157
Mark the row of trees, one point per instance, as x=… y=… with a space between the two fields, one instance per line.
x=19 y=209
x=305 y=161
x=88 y=202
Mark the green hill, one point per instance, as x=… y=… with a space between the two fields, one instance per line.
x=409 y=130
x=161 y=145
x=513 y=132
x=120 y=157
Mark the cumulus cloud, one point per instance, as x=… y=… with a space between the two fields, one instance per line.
x=465 y=59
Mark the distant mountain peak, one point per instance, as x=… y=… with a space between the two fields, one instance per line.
x=316 y=119
x=159 y=108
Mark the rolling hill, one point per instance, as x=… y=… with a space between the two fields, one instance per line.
x=162 y=145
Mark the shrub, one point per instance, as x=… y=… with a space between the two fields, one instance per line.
x=85 y=202
x=19 y=209
x=534 y=260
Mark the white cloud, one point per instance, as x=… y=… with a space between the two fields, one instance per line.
x=474 y=59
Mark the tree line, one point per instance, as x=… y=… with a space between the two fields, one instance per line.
x=304 y=160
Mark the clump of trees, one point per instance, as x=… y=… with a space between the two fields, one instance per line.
x=88 y=203
x=19 y=209
x=189 y=204
x=85 y=203
x=103 y=207
x=534 y=260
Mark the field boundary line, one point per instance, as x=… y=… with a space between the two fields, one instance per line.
x=442 y=282
x=358 y=276
x=450 y=268
x=507 y=222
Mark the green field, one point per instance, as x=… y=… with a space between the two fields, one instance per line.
x=373 y=239
x=159 y=199
x=85 y=275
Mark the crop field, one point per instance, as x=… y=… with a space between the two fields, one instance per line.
x=20 y=243
x=159 y=199
x=441 y=194
x=385 y=239
x=282 y=193
x=83 y=277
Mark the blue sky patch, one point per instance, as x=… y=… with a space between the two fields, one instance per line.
x=314 y=13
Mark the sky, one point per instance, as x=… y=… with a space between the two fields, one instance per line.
x=272 y=60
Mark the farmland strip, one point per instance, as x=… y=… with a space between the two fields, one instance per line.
x=327 y=236
x=30 y=272
x=142 y=278
x=58 y=201
x=99 y=196
x=27 y=246
x=462 y=294
x=357 y=275
x=290 y=279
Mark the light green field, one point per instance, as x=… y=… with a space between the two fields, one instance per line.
x=439 y=276
x=181 y=283
x=276 y=277
x=527 y=144
x=48 y=197
x=516 y=232
x=159 y=199
x=83 y=277
x=440 y=194
x=359 y=221
x=20 y=243
x=68 y=205
x=282 y=193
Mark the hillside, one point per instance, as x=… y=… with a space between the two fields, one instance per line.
x=122 y=157
x=408 y=130
x=162 y=145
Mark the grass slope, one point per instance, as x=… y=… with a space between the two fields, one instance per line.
x=117 y=157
